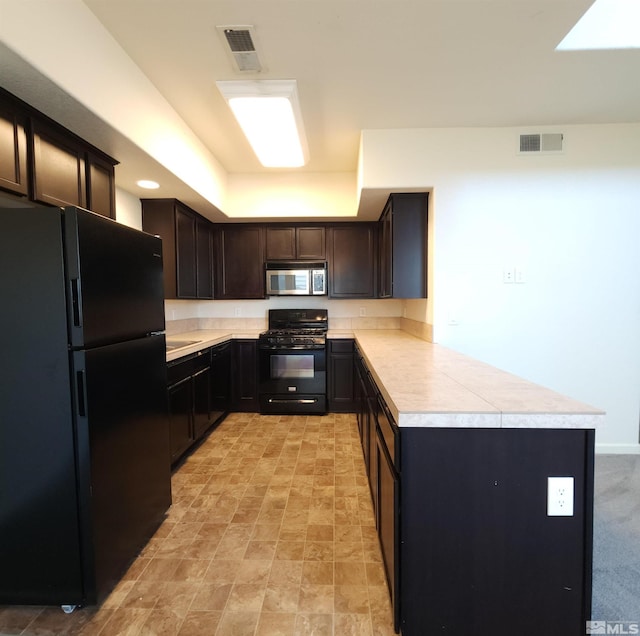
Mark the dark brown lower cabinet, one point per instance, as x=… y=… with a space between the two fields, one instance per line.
x=201 y=402
x=180 y=427
x=478 y=553
x=220 y=380
x=340 y=376
x=244 y=376
x=388 y=487
x=189 y=401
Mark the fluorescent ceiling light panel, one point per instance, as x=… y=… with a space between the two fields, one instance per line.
x=608 y=24
x=269 y=114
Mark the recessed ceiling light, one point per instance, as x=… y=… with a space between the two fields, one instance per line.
x=608 y=24
x=268 y=112
x=147 y=184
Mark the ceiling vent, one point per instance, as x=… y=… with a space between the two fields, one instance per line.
x=537 y=143
x=240 y=45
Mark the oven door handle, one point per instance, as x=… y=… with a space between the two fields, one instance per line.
x=291 y=347
x=285 y=401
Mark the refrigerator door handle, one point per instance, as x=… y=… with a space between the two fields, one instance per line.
x=81 y=387
x=76 y=305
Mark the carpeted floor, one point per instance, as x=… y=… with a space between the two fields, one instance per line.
x=616 y=541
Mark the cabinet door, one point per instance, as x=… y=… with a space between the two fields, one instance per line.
x=220 y=380
x=311 y=243
x=204 y=259
x=180 y=424
x=352 y=264
x=239 y=262
x=58 y=168
x=13 y=151
x=201 y=402
x=388 y=489
x=403 y=246
x=280 y=243
x=385 y=252
x=340 y=376
x=245 y=375
x=101 y=191
x=186 y=254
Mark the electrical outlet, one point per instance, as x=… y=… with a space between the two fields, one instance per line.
x=519 y=275
x=560 y=497
x=237 y=311
x=363 y=311
x=508 y=275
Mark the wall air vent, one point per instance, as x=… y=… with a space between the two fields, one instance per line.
x=537 y=143
x=240 y=46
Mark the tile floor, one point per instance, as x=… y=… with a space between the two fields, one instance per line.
x=271 y=533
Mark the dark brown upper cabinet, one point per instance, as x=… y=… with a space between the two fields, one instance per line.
x=187 y=249
x=58 y=167
x=295 y=243
x=352 y=260
x=239 y=258
x=49 y=164
x=101 y=186
x=402 y=254
x=204 y=258
x=13 y=150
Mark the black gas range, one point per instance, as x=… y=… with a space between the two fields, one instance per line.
x=292 y=362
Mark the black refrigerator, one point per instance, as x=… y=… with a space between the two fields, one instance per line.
x=84 y=439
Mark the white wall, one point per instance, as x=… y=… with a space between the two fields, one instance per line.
x=570 y=221
x=302 y=195
x=128 y=209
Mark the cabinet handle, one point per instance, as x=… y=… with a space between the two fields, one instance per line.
x=284 y=401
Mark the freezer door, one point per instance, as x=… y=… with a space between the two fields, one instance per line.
x=124 y=470
x=114 y=280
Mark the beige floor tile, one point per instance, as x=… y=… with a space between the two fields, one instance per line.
x=276 y=624
x=281 y=597
x=241 y=623
x=162 y=622
x=318 y=599
x=125 y=622
x=198 y=623
x=314 y=625
x=352 y=599
x=211 y=597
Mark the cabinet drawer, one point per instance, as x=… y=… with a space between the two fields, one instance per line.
x=341 y=346
x=389 y=432
x=187 y=365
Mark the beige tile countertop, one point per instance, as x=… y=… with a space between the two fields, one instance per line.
x=203 y=338
x=427 y=385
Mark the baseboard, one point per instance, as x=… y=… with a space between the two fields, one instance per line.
x=617 y=449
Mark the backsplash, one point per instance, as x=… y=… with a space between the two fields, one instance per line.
x=422 y=330
x=183 y=325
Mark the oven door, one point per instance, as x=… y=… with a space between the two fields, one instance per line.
x=291 y=378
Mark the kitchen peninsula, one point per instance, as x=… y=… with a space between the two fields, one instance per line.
x=459 y=456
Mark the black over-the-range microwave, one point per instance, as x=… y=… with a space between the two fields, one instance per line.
x=296 y=278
